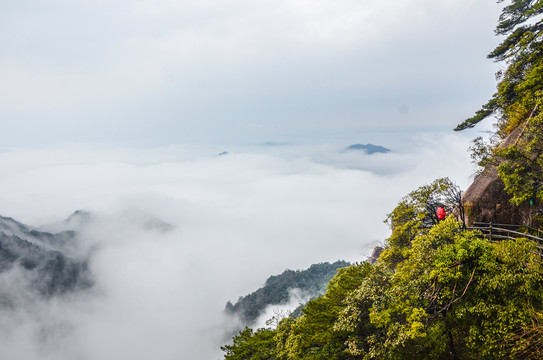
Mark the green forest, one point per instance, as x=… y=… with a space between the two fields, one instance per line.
x=440 y=289
x=275 y=291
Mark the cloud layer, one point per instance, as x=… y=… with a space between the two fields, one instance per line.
x=237 y=219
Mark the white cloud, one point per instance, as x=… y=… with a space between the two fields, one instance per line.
x=238 y=219
x=272 y=314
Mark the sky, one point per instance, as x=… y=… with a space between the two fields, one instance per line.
x=121 y=107
x=152 y=73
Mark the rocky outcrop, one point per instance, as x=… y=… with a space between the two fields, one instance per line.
x=486 y=200
x=375 y=254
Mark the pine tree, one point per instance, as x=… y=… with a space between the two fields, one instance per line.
x=519 y=89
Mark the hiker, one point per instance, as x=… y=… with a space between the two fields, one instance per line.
x=441 y=214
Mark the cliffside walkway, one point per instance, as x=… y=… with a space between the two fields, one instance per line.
x=498 y=232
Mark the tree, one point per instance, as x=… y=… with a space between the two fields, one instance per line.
x=277 y=289
x=520 y=85
x=313 y=336
x=416 y=213
x=456 y=296
x=517 y=105
x=521 y=170
x=251 y=345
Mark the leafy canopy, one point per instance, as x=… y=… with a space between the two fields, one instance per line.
x=517 y=105
x=416 y=213
x=454 y=295
x=520 y=85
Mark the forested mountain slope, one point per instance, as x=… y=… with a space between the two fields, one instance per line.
x=276 y=290
x=436 y=292
x=38 y=263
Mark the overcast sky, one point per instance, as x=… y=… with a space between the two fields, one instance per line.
x=238 y=71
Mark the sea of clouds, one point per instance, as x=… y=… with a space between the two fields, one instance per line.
x=237 y=219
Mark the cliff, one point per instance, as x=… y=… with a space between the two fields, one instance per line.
x=485 y=200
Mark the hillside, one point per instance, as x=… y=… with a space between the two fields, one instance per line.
x=276 y=290
x=437 y=291
x=44 y=264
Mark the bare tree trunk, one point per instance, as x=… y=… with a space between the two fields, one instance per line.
x=450 y=343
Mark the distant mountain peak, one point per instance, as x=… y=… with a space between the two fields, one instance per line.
x=368 y=148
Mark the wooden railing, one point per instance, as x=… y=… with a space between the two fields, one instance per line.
x=521 y=228
x=497 y=232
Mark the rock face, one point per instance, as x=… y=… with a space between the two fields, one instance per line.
x=486 y=200
x=375 y=254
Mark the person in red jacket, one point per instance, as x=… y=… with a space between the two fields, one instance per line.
x=441 y=214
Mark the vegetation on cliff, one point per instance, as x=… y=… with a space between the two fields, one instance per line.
x=519 y=89
x=450 y=295
x=455 y=296
x=516 y=105
x=276 y=290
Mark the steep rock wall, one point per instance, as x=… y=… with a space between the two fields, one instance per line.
x=486 y=200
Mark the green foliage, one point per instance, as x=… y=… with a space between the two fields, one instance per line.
x=250 y=345
x=522 y=51
x=421 y=204
x=416 y=213
x=312 y=336
x=517 y=105
x=454 y=295
x=276 y=289
x=519 y=163
x=521 y=167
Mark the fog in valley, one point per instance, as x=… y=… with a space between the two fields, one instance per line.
x=174 y=233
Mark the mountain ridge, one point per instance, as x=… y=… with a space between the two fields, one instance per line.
x=368 y=148
x=47 y=262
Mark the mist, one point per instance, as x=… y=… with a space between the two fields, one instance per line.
x=235 y=220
